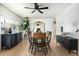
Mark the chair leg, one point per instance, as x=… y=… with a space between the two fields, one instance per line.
x=30 y=47
x=35 y=51
x=44 y=52
x=49 y=47
x=69 y=51
x=77 y=51
x=46 y=49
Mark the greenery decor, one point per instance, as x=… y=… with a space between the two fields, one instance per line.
x=25 y=24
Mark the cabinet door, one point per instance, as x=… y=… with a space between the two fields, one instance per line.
x=12 y=39
x=74 y=44
x=8 y=41
x=59 y=38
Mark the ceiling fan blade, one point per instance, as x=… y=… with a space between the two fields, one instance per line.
x=28 y=8
x=40 y=11
x=33 y=11
x=44 y=8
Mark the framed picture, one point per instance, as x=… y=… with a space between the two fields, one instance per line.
x=61 y=28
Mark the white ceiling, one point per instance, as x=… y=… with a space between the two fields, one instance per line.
x=54 y=9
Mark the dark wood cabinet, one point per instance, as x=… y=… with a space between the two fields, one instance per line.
x=68 y=42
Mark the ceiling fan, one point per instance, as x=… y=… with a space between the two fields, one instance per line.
x=36 y=7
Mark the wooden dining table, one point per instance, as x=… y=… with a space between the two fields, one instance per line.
x=39 y=35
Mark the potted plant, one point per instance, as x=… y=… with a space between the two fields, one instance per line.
x=24 y=26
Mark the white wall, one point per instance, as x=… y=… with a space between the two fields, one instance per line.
x=0 y=36
x=48 y=23
x=69 y=19
x=7 y=15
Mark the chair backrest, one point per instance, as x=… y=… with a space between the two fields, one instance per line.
x=49 y=35
x=39 y=35
x=29 y=36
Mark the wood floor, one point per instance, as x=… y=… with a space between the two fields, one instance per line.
x=22 y=50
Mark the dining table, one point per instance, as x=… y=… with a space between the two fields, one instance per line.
x=39 y=35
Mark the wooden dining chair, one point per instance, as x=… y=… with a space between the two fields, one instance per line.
x=30 y=40
x=36 y=45
x=43 y=47
x=48 y=40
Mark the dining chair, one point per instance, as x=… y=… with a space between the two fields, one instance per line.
x=30 y=40
x=48 y=40
x=39 y=43
x=41 y=46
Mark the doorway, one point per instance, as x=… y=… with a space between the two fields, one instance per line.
x=39 y=25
